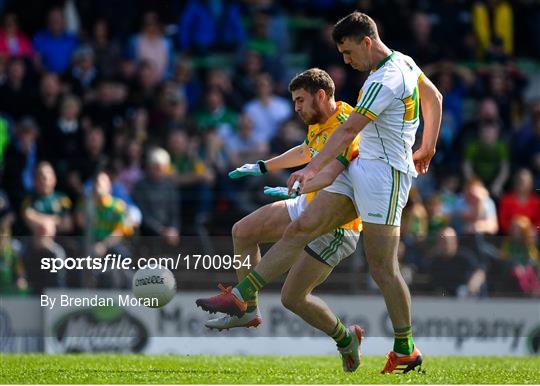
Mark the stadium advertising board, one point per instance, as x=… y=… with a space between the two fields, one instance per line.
x=21 y=325
x=443 y=327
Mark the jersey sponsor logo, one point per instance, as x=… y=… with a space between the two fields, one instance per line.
x=378 y=215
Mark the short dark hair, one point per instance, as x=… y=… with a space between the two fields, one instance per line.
x=356 y=25
x=313 y=80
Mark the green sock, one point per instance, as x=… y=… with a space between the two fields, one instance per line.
x=341 y=334
x=403 y=340
x=250 y=285
x=252 y=304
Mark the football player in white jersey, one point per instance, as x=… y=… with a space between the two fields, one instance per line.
x=387 y=114
x=377 y=181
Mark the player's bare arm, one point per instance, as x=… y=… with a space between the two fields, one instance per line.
x=431 y=103
x=323 y=178
x=298 y=155
x=341 y=138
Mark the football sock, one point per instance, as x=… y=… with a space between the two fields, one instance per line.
x=249 y=286
x=403 y=340
x=341 y=334
x=252 y=304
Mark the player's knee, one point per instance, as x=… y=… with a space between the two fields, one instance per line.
x=290 y=300
x=242 y=231
x=300 y=230
x=383 y=274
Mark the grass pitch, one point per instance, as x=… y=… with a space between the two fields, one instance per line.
x=148 y=369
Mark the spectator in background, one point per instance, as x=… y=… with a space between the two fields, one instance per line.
x=323 y=53
x=415 y=222
x=54 y=45
x=15 y=92
x=47 y=107
x=268 y=111
x=104 y=216
x=437 y=219
x=13 y=41
x=268 y=40
x=84 y=73
x=144 y=91
x=176 y=115
x=67 y=136
x=421 y=46
x=525 y=136
x=204 y=25
x=106 y=49
x=454 y=270
x=244 y=144
x=150 y=45
x=219 y=79
x=522 y=201
x=12 y=272
x=245 y=75
x=520 y=253
x=21 y=157
x=216 y=114
x=46 y=211
x=475 y=210
x=493 y=19
x=488 y=159
x=192 y=176
x=107 y=111
x=91 y=160
x=290 y=134
x=131 y=170
x=186 y=83
x=454 y=82
x=157 y=197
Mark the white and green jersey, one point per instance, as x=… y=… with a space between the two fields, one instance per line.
x=390 y=99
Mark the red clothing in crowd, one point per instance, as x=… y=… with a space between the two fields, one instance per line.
x=21 y=45
x=511 y=206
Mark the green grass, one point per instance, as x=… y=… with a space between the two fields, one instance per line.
x=148 y=369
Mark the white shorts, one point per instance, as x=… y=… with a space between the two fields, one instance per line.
x=379 y=192
x=331 y=247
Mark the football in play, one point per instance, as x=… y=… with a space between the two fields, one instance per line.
x=158 y=285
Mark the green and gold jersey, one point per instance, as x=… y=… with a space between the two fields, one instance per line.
x=318 y=136
x=55 y=203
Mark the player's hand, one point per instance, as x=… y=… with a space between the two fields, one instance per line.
x=422 y=157
x=280 y=192
x=257 y=169
x=298 y=179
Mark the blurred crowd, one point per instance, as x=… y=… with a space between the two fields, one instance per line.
x=121 y=119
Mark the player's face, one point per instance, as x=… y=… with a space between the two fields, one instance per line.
x=356 y=53
x=307 y=106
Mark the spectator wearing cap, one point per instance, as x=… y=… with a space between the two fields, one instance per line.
x=157 y=197
x=21 y=157
x=55 y=45
x=13 y=41
x=521 y=201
